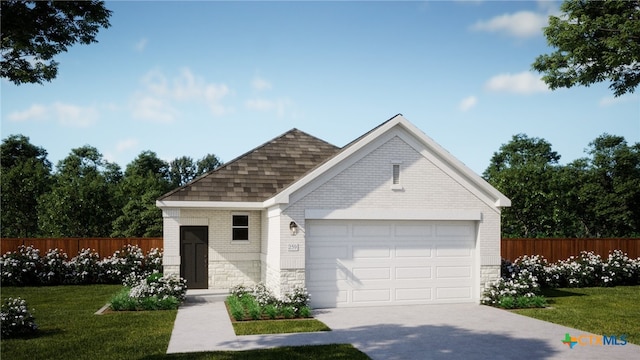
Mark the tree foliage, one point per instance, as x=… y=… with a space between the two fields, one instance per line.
x=595 y=41
x=595 y=196
x=24 y=177
x=184 y=169
x=145 y=180
x=523 y=169
x=34 y=32
x=86 y=196
x=82 y=200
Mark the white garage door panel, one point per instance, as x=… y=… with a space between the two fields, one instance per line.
x=423 y=273
x=413 y=251
x=448 y=293
x=359 y=263
x=364 y=252
x=455 y=272
x=413 y=294
x=378 y=273
x=323 y=252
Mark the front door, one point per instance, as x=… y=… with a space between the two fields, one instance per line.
x=194 y=258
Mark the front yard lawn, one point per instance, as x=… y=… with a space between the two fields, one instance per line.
x=278 y=326
x=601 y=310
x=68 y=329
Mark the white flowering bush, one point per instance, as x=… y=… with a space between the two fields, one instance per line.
x=25 y=267
x=54 y=268
x=21 y=267
x=155 y=292
x=84 y=268
x=524 y=277
x=257 y=302
x=15 y=318
x=129 y=259
x=517 y=285
x=589 y=269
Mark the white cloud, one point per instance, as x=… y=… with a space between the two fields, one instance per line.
x=160 y=97
x=126 y=144
x=520 y=83
x=67 y=114
x=141 y=45
x=153 y=109
x=280 y=105
x=260 y=84
x=75 y=116
x=522 y=24
x=612 y=101
x=35 y=112
x=467 y=103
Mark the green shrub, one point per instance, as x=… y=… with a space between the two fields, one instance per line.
x=305 y=312
x=271 y=311
x=15 y=318
x=235 y=307
x=288 y=312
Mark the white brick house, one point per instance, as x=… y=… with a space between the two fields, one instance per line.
x=391 y=218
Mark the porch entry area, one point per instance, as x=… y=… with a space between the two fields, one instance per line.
x=194 y=258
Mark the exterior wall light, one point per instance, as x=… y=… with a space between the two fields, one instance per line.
x=293 y=227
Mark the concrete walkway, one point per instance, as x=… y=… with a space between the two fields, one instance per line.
x=459 y=331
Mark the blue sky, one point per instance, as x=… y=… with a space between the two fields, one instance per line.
x=193 y=78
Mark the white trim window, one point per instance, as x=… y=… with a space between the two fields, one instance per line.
x=240 y=227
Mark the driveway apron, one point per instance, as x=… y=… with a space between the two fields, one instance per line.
x=452 y=331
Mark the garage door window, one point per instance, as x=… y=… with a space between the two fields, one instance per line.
x=240 y=227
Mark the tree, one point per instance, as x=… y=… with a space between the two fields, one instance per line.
x=525 y=169
x=184 y=169
x=145 y=180
x=25 y=175
x=609 y=196
x=595 y=41
x=82 y=201
x=33 y=32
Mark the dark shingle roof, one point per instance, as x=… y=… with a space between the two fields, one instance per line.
x=259 y=174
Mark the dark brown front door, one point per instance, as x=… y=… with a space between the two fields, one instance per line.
x=194 y=259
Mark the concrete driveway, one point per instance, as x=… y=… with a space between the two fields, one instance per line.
x=459 y=331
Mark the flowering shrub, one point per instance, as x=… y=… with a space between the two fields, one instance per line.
x=122 y=263
x=258 y=301
x=155 y=292
x=21 y=267
x=589 y=269
x=53 y=268
x=84 y=268
x=26 y=267
x=520 y=284
x=16 y=319
x=527 y=274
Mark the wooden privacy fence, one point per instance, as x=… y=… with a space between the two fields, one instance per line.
x=561 y=249
x=71 y=246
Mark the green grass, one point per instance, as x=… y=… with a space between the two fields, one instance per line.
x=68 y=329
x=603 y=311
x=278 y=326
x=315 y=352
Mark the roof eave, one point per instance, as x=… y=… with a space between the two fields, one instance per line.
x=220 y=205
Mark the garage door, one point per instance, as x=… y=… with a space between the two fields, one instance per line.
x=373 y=263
